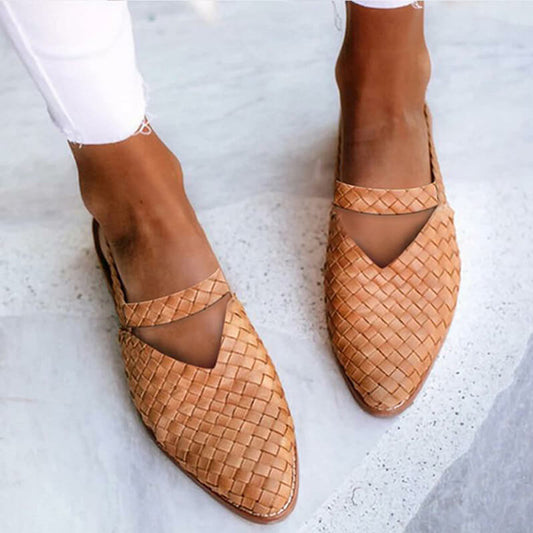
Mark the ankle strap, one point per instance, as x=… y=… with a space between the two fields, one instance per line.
x=162 y=310
x=176 y=306
x=386 y=201
x=393 y=201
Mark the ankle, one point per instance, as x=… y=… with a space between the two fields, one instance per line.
x=132 y=184
x=384 y=64
x=390 y=82
x=382 y=92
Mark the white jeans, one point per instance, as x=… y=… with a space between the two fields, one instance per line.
x=81 y=55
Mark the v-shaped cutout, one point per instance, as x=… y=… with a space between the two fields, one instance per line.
x=383 y=239
x=385 y=222
x=190 y=319
x=206 y=326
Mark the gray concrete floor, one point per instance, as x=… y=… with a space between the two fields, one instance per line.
x=249 y=104
x=490 y=487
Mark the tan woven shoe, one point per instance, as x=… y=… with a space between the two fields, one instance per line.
x=387 y=324
x=228 y=427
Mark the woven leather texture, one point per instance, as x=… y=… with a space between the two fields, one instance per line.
x=176 y=306
x=385 y=201
x=387 y=324
x=228 y=427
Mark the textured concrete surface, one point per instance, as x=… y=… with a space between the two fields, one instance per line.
x=249 y=104
x=489 y=488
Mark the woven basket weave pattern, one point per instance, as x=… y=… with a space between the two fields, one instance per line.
x=228 y=427
x=176 y=306
x=385 y=201
x=387 y=324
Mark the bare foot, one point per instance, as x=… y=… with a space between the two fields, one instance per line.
x=382 y=73
x=134 y=189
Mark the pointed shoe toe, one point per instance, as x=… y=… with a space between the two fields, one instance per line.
x=228 y=427
x=387 y=324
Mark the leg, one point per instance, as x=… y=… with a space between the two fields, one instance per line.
x=382 y=73
x=134 y=189
x=228 y=426
x=132 y=184
x=388 y=319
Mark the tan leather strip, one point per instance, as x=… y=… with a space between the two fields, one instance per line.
x=176 y=306
x=385 y=201
x=435 y=168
